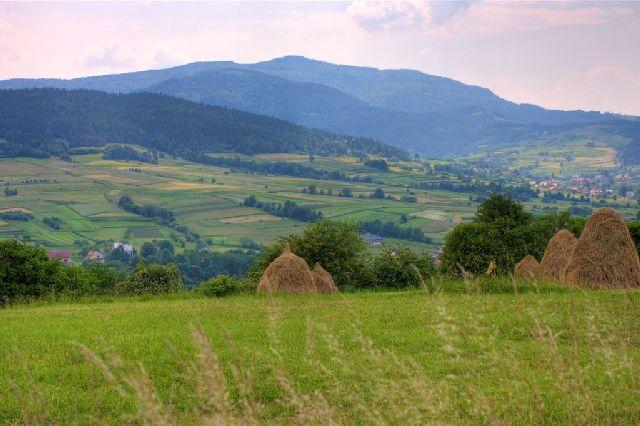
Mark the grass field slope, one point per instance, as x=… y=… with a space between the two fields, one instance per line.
x=461 y=355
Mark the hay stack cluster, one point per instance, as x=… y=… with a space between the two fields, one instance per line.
x=527 y=268
x=605 y=255
x=290 y=274
x=557 y=255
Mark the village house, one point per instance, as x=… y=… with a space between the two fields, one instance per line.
x=373 y=239
x=95 y=255
x=63 y=256
x=128 y=248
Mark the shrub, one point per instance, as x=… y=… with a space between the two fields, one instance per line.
x=76 y=281
x=152 y=279
x=222 y=285
x=394 y=267
x=25 y=271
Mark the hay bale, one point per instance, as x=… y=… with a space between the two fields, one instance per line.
x=557 y=255
x=528 y=267
x=605 y=256
x=287 y=274
x=323 y=279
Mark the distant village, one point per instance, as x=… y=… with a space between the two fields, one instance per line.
x=597 y=186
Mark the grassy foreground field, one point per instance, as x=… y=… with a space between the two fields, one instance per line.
x=556 y=356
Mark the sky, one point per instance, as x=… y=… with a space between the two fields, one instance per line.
x=563 y=55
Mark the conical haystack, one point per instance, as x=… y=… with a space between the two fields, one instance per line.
x=528 y=267
x=557 y=255
x=287 y=274
x=605 y=256
x=323 y=279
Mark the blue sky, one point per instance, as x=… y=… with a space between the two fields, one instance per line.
x=565 y=55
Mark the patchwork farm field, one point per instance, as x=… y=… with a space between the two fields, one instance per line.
x=208 y=200
x=552 y=357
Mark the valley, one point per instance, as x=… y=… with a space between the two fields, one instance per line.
x=209 y=200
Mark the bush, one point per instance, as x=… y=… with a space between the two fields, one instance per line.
x=75 y=282
x=152 y=279
x=394 y=267
x=222 y=285
x=25 y=271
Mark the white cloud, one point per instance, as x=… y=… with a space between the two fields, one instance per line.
x=390 y=16
x=112 y=56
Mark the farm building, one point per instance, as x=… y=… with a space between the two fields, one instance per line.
x=376 y=240
x=128 y=248
x=95 y=255
x=63 y=256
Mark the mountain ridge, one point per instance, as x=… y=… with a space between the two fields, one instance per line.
x=423 y=113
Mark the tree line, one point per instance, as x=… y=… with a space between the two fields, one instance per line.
x=288 y=209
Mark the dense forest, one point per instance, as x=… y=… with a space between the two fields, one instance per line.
x=43 y=122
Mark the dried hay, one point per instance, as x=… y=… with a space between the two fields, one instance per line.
x=605 y=256
x=557 y=255
x=287 y=274
x=528 y=267
x=323 y=279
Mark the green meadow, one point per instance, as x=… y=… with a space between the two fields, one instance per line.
x=463 y=355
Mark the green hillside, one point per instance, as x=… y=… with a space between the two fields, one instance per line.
x=43 y=121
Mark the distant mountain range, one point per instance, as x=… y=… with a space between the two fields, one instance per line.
x=41 y=122
x=416 y=111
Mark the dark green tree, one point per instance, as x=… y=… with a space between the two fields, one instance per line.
x=25 y=271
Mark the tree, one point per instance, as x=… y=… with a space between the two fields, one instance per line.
x=148 y=249
x=346 y=192
x=25 y=271
x=337 y=246
x=502 y=209
x=378 y=193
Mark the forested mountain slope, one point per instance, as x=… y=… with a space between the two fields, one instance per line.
x=40 y=121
